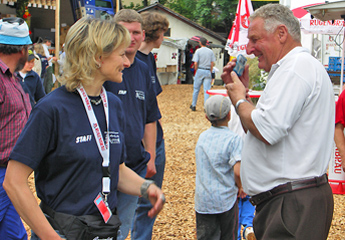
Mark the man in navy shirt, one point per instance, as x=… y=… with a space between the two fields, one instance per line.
x=154 y=25
x=141 y=111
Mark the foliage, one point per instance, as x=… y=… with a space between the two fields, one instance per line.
x=20 y=9
x=217 y=15
x=184 y=7
x=212 y=14
x=134 y=7
x=257 y=77
x=227 y=12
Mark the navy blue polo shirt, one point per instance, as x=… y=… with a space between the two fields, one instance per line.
x=58 y=144
x=140 y=106
x=32 y=85
x=151 y=63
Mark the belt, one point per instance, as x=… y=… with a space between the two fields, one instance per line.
x=288 y=187
x=204 y=68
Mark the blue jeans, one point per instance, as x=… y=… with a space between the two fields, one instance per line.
x=143 y=224
x=201 y=77
x=246 y=215
x=126 y=205
x=11 y=226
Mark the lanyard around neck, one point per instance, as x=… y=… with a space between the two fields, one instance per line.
x=103 y=146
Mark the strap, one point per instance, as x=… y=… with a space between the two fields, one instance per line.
x=103 y=146
x=50 y=214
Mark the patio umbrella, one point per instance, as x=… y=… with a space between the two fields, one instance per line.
x=300 y=12
x=237 y=40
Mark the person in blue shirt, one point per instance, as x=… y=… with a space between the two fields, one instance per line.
x=217 y=182
x=246 y=210
x=31 y=81
x=141 y=110
x=154 y=25
x=74 y=141
x=203 y=64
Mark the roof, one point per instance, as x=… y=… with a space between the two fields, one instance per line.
x=158 y=6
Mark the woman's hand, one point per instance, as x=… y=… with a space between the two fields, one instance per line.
x=157 y=199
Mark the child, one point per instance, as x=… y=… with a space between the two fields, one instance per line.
x=245 y=208
x=218 y=155
x=30 y=80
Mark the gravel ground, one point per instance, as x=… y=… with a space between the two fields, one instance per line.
x=182 y=128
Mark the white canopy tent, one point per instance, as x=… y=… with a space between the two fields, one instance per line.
x=331 y=12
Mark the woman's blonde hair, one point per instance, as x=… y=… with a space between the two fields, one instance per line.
x=39 y=49
x=87 y=40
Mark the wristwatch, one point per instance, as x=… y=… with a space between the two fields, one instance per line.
x=238 y=104
x=144 y=187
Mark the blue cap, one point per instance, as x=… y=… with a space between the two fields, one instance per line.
x=14 y=31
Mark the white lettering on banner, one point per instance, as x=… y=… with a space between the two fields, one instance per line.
x=82 y=139
x=337 y=162
x=315 y=22
x=241 y=47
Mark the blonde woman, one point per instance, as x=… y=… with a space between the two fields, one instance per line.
x=78 y=168
x=43 y=59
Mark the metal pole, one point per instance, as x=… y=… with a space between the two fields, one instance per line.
x=57 y=36
x=117 y=5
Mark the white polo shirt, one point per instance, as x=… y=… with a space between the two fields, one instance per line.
x=295 y=114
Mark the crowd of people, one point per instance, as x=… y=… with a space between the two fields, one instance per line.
x=96 y=144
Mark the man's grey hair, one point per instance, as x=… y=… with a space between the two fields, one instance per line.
x=276 y=14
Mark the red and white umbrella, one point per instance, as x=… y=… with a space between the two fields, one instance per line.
x=316 y=26
x=237 y=40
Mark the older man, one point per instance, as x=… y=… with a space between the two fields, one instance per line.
x=290 y=132
x=14 y=112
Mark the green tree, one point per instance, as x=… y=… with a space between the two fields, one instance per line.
x=184 y=7
x=216 y=15
x=226 y=12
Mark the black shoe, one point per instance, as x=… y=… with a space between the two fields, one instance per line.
x=192 y=107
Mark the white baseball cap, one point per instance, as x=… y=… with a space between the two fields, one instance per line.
x=217 y=107
x=14 y=31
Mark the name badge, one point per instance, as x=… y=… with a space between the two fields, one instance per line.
x=103 y=207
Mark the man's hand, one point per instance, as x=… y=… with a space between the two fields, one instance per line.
x=226 y=75
x=151 y=168
x=236 y=89
x=157 y=200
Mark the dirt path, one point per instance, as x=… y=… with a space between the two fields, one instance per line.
x=182 y=128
